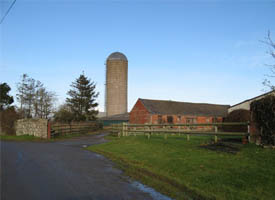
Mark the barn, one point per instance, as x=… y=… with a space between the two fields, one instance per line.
x=147 y=111
x=245 y=105
x=114 y=119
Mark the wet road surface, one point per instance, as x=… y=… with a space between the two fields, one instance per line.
x=62 y=170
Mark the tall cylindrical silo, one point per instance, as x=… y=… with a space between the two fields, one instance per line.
x=116 y=84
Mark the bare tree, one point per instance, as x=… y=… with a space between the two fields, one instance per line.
x=34 y=99
x=38 y=98
x=269 y=81
x=44 y=103
x=26 y=93
x=49 y=99
x=21 y=91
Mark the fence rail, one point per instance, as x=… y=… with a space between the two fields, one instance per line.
x=212 y=129
x=67 y=129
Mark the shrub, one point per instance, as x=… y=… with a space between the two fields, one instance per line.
x=7 y=120
x=263 y=113
x=240 y=115
x=64 y=115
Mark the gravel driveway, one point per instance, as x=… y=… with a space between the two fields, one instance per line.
x=63 y=170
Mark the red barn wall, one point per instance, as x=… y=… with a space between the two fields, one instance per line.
x=139 y=114
x=183 y=120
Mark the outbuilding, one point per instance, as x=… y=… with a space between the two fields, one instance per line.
x=114 y=119
x=245 y=105
x=147 y=111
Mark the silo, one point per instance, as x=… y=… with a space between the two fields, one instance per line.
x=116 y=84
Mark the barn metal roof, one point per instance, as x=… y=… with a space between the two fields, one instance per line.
x=163 y=107
x=117 y=56
x=119 y=117
x=254 y=98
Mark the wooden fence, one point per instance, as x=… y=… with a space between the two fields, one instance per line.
x=61 y=129
x=214 y=129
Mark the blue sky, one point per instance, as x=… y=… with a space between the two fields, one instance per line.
x=194 y=51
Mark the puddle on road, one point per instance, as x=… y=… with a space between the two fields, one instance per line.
x=154 y=194
x=99 y=156
x=19 y=157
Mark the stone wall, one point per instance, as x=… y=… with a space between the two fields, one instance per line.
x=35 y=127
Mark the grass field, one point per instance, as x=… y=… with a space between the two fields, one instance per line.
x=20 y=138
x=183 y=169
x=37 y=139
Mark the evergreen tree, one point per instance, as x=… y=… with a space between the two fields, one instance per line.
x=82 y=101
x=5 y=98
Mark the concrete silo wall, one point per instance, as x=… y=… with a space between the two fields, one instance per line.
x=116 y=87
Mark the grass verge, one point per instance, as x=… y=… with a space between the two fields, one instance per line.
x=37 y=139
x=182 y=169
x=21 y=138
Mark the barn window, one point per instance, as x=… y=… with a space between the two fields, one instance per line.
x=170 y=119
x=191 y=120
x=159 y=119
x=179 y=118
x=214 y=119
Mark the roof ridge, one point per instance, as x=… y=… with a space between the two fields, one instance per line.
x=184 y=102
x=267 y=93
x=187 y=108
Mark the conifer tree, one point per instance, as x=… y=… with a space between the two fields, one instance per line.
x=5 y=98
x=82 y=100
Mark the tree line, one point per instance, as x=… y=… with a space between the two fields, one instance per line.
x=34 y=100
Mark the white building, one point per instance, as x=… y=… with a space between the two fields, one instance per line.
x=246 y=104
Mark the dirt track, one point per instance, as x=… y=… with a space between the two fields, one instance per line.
x=61 y=170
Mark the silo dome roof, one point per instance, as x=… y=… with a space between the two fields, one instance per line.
x=117 y=56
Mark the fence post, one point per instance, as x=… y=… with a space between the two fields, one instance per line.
x=123 y=132
x=216 y=137
x=248 y=131
x=116 y=128
x=126 y=128
x=188 y=137
x=135 y=133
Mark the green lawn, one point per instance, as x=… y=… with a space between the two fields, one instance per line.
x=21 y=138
x=183 y=170
x=33 y=138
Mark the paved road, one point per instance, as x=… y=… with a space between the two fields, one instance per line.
x=61 y=170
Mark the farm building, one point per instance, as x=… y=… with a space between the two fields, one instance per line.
x=160 y=111
x=114 y=119
x=245 y=105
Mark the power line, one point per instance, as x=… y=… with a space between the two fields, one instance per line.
x=7 y=12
